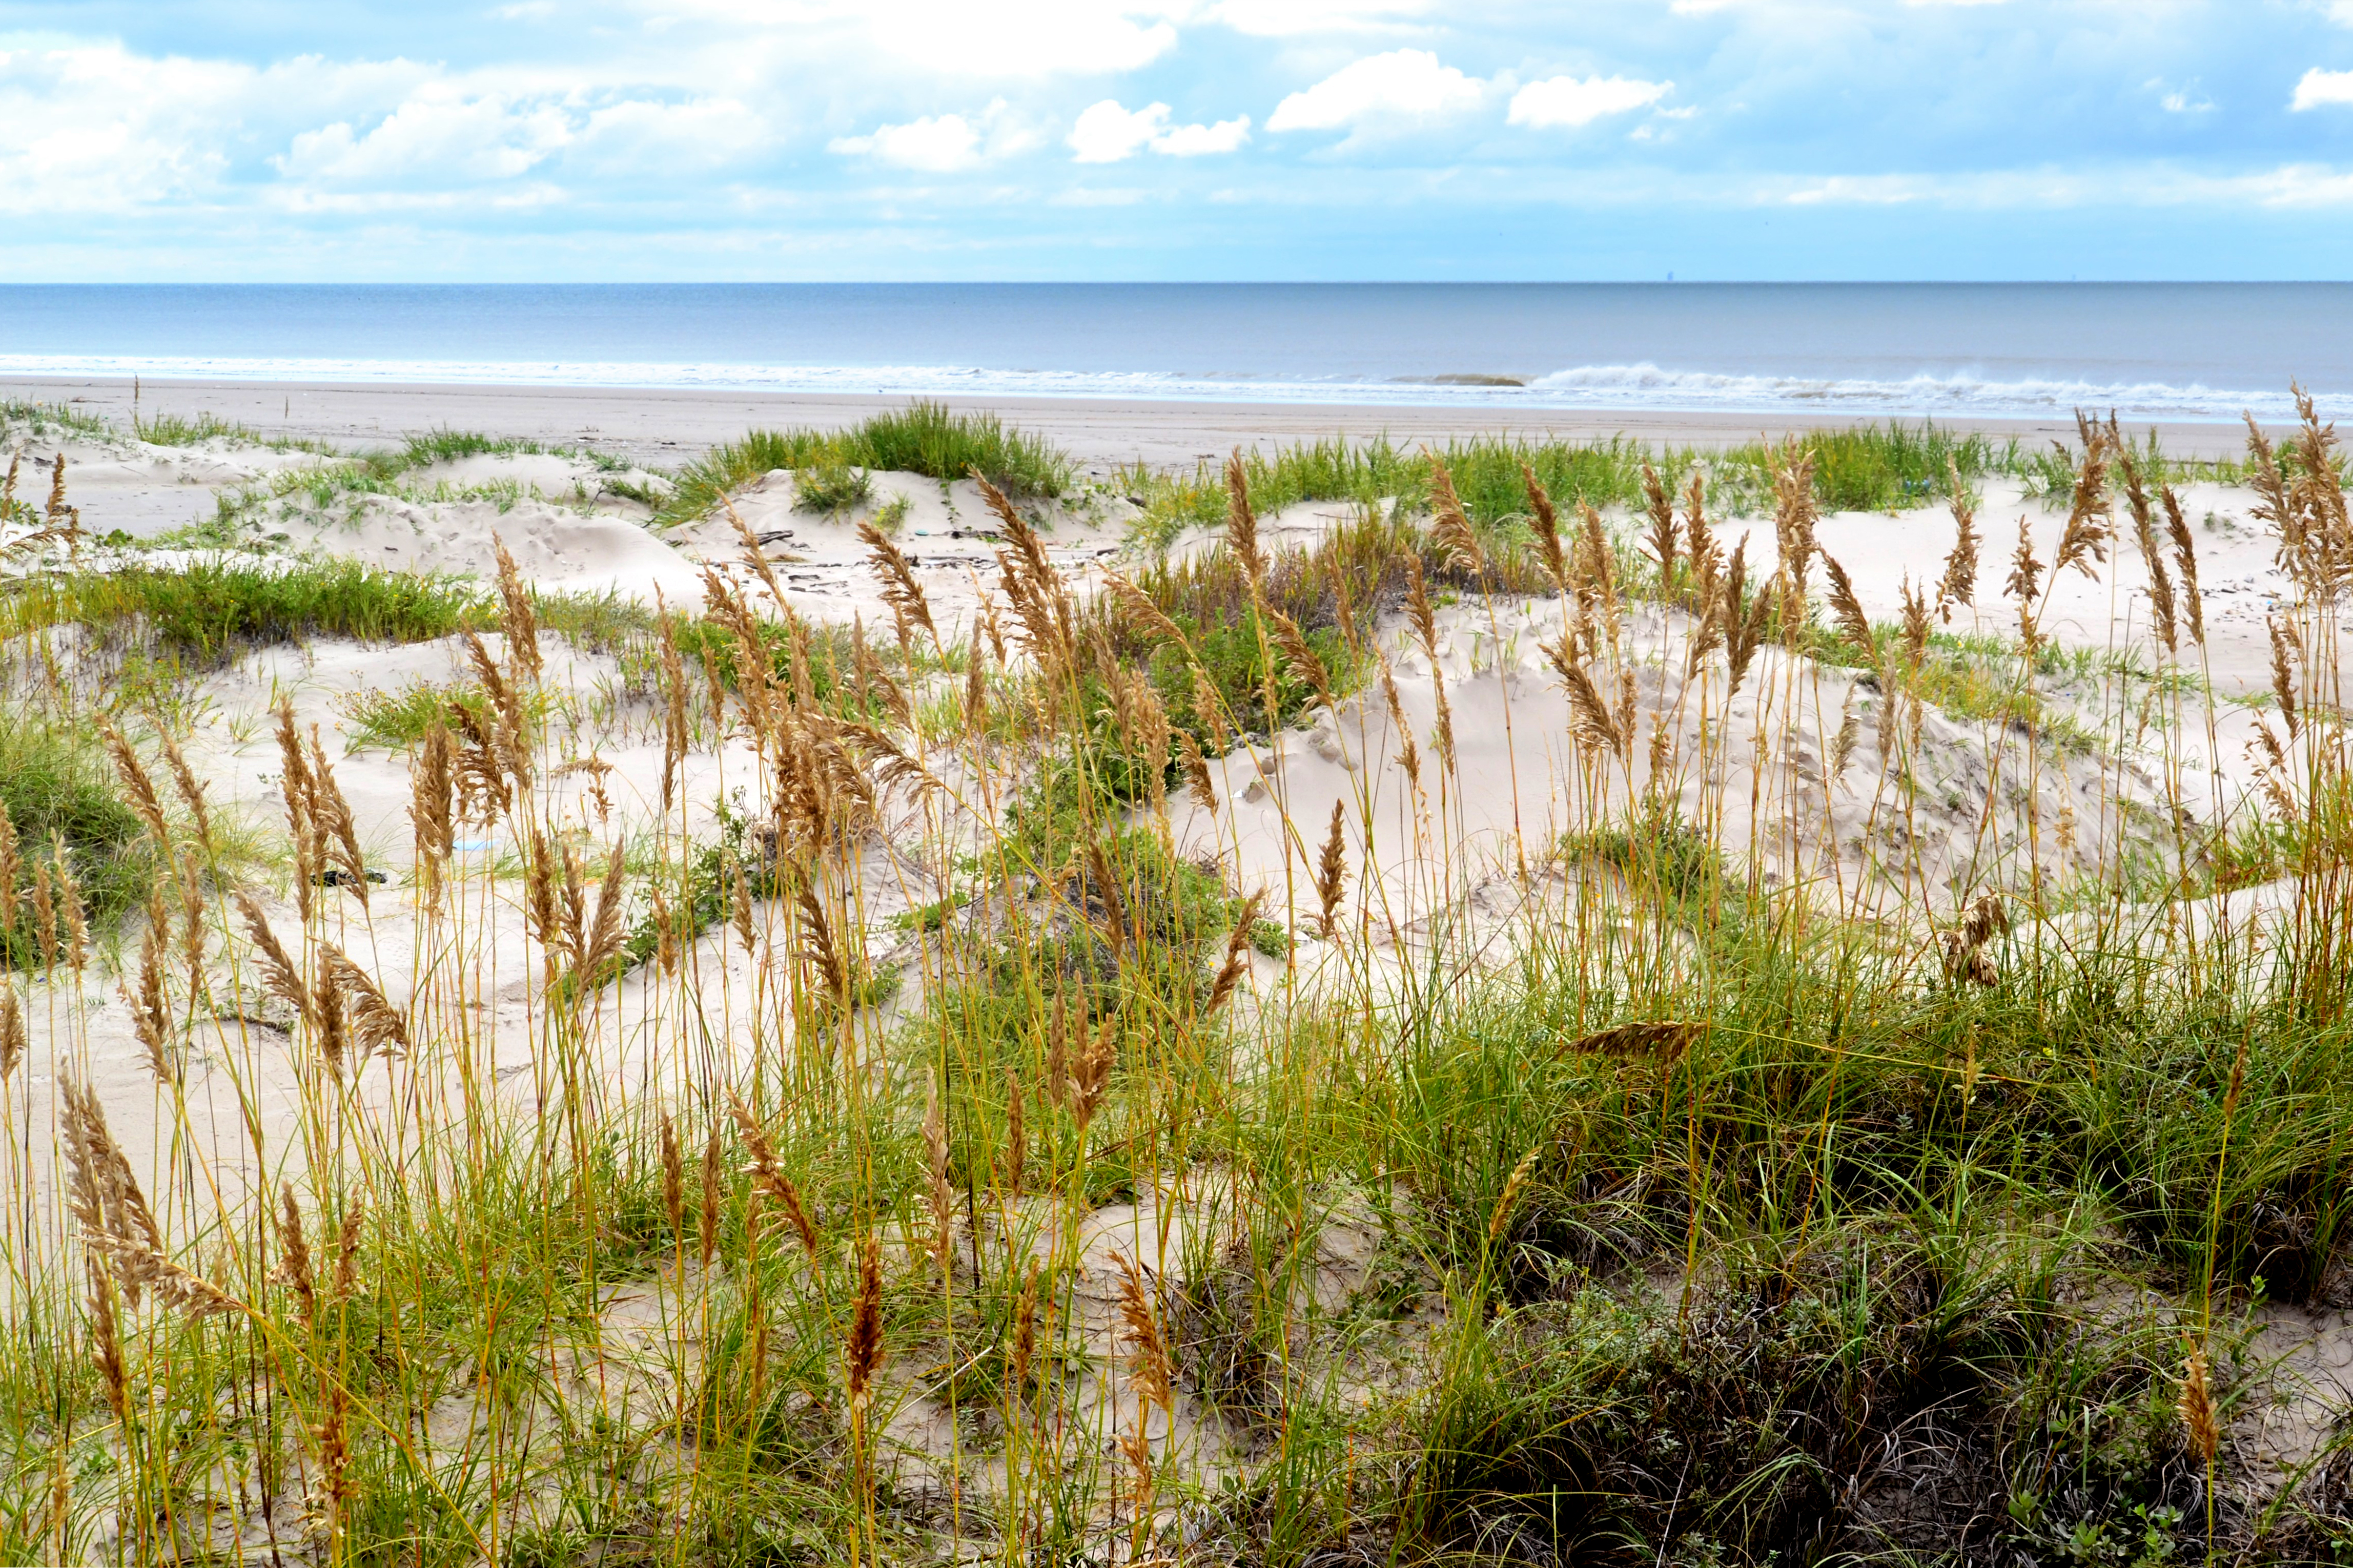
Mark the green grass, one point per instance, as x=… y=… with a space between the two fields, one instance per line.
x=208 y=609
x=923 y=438
x=1868 y=468
x=63 y=801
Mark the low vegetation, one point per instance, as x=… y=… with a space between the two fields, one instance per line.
x=907 y=1136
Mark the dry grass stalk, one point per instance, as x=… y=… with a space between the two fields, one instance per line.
x=2287 y=651
x=45 y=917
x=1958 y=586
x=2084 y=542
x=1545 y=524
x=1449 y=527
x=2196 y=1407
x=71 y=916
x=1915 y=625
x=136 y=783
x=294 y=1267
x=104 y=1199
x=1198 y=781
x=106 y=1347
x=1589 y=719
x=1659 y=506
x=1966 y=957
x=753 y=552
x=1425 y=625
x=1292 y=643
x=1658 y=1043
x=2024 y=584
x=1850 y=731
x=1014 y=1164
x=432 y=789
x=768 y=1172
x=1741 y=627
x=376 y=1025
x=150 y=1012
x=1237 y=959
x=347 y=1251
x=1022 y=1348
x=673 y=1178
x=706 y=1217
x=862 y=1351
x=12 y=870
x=334 y=814
x=2185 y=561
x=1703 y=557
x=516 y=618
x=820 y=947
x=1091 y=1075
x=12 y=1035
x=674 y=712
x=1846 y=609
x=279 y=977
x=1509 y=1199
x=56 y=509
x=900 y=589
x=1149 y=1369
x=1241 y=523
x=2144 y=518
x=1332 y=874
x=1794 y=518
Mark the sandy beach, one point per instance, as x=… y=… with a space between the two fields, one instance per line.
x=662 y=425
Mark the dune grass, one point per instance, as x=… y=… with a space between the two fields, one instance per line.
x=65 y=808
x=918 y=1168
x=1868 y=468
x=925 y=438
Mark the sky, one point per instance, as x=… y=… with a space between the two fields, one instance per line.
x=785 y=139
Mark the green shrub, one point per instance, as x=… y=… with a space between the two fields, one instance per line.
x=60 y=791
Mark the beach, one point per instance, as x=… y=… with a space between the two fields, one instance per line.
x=659 y=424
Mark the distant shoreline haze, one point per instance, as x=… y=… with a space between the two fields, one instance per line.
x=2149 y=351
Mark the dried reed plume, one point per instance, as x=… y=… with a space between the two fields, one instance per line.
x=1741 y=627
x=192 y=794
x=1449 y=527
x=1659 y=504
x=1197 y=771
x=2283 y=640
x=136 y=783
x=376 y=1025
x=1241 y=523
x=2023 y=585
x=1236 y=960
x=1149 y=1370
x=1509 y=1199
x=334 y=814
x=820 y=947
x=516 y=618
x=1657 y=1043
x=1425 y=624
x=1091 y=1076
x=1965 y=955
x=768 y=1172
x=900 y=589
x=13 y=1039
x=1958 y=586
x=2185 y=561
x=150 y=1012
x=1545 y=523
x=1846 y=609
x=2084 y=542
x=862 y=1351
x=1916 y=630
x=673 y=1178
x=1589 y=719
x=2196 y=1407
x=12 y=870
x=279 y=977
x=294 y=1267
x=1292 y=643
x=1332 y=874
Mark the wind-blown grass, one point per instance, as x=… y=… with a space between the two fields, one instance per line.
x=925 y=438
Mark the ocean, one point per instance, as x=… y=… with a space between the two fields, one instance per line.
x=2171 y=351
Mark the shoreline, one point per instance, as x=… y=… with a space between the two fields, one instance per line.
x=665 y=426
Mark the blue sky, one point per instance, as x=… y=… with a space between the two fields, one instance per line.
x=1175 y=138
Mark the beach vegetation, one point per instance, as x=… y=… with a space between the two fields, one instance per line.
x=1704 y=1144
x=927 y=438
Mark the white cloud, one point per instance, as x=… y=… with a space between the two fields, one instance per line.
x=1194 y=141
x=1282 y=18
x=1107 y=132
x=934 y=143
x=1402 y=88
x=436 y=135
x=940 y=145
x=2319 y=87
x=1573 y=100
x=955 y=38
